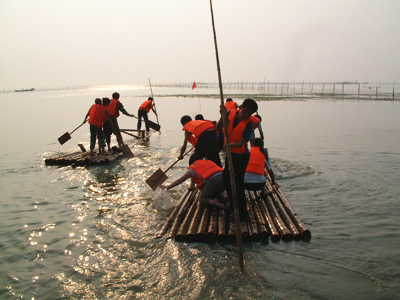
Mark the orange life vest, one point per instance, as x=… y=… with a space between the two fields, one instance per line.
x=230 y=105
x=256 y=162
x=112 y=108
x=196 y=128
x=235 y=134
x=204 y=169
x=97 y=115
x=146 y=105
x=255 y=121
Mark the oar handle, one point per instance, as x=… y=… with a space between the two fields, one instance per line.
x=77 y=128
x=178 y=160
x=155 y=109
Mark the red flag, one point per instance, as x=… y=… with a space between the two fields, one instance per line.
x=194 y=85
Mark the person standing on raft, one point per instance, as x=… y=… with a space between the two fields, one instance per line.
x=240 y=130
x=144 y=109
x=208 y=178
x=97 y=115
x=114 y=108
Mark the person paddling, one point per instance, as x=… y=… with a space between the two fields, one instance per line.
x=208 y=178
x=114 y=109
x=144 y=109
x=240 y=130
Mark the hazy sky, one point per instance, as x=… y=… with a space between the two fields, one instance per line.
x=57 y=43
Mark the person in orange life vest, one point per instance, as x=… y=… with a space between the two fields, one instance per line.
x=199 y=117
x=143 y=111
x=107 y=128
x=97 y=114
x=208 y=178
x=256 y=121
x=255 y=179
x=240 y=130
x=230 y=104
x=201 y=134
x=114 y=109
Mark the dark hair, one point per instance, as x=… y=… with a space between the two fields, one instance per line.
x=115 y=96
x=185 y=119
x=250 y=104
x=199 y=117
x=257 y=142
x=150 y=98
x=259 y=117
x=106 y=100
x=229 y=99
x=97 y=101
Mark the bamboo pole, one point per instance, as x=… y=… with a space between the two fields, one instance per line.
x=221 y=237
x=153 y=101
x=172 y=215
x=213 y=226
x=177 y=221
x=203 y=225
x=183 y=229
x=229 y=156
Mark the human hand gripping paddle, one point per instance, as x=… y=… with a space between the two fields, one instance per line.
x=159 y=176
x=67 y=136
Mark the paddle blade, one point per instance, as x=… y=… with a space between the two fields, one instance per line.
x=64 y=138
x=126 y=150
x=156 y=179
x=153 y=125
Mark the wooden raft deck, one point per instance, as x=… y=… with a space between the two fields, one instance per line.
x=84 y=159
x=271 y=217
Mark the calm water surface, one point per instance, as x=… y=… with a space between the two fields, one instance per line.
x=88 y=233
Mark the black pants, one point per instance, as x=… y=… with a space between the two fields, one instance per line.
x=142 y=114
x=206 y=147
x=239 y=166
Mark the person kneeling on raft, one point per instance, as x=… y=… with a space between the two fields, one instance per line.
x=207 y=176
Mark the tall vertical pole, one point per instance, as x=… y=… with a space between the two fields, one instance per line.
x=228 y=154
x=153 y=100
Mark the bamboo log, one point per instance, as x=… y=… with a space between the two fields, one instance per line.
x=180 y=215
x=189 y=226
x=222 y=236
x=212 y=228
x=253 y=228
x=284 y=232
x=232 y=230
x=285 y=217
x=305 y=233
x=262 y=227
x=172 y=215
x=203 y=225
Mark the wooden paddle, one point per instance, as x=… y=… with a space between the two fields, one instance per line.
x=124 y=147
x=67 y=136
x=158 y=177
x=151 y=124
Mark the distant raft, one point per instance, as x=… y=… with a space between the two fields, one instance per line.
x=271 y=217
x=85 y=159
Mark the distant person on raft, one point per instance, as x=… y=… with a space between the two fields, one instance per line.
x=96 y=116
x=114 y=108
x=144 y=109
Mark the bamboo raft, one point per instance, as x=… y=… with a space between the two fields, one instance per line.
x=271 y=217
x=85 y=159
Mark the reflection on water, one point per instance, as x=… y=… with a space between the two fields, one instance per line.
x=88 y=233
